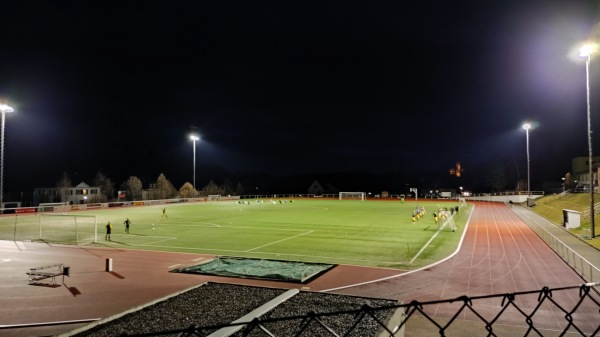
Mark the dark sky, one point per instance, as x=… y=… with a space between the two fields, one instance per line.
x=291 y=87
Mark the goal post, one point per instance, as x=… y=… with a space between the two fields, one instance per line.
x=352 y=196
x=214 y=197
x=52 y=207
x=462 y=202
x=68 y=228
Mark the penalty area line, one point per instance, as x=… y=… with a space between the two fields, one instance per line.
x=459 y=246
x=274 y=242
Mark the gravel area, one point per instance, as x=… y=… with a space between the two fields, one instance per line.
x=217 y=303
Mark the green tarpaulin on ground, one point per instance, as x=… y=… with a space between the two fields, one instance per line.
x=288 y=271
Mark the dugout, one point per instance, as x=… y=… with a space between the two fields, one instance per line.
x=571 y=219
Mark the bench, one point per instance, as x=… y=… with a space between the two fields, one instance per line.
x=48 y=272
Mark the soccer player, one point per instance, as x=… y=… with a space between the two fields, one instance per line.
x=108 y=230
x=127 y=223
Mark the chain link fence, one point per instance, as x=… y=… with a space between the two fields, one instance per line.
x=566 y=311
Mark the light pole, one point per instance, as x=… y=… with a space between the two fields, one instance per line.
x=526 y=127
x=586 y=51
x=3 y=109
x=194 y=138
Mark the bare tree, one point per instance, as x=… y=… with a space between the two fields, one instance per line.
x=188 y=191
x=107 y=187
x=62 y=184
x=133 y=186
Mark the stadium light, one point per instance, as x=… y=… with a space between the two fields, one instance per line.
x=4 y=109
x=586 y=51
x=526 y=127
x=194 y=139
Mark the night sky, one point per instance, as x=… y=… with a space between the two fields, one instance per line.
x=289 y=88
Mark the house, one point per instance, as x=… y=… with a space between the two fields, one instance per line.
x=80 y=194
x=581 y=171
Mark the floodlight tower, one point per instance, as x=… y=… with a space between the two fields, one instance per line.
x=4 y=109
x=586 y=51
x=526 y=127
x=194 y=139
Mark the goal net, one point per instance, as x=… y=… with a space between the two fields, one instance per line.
x=352 y=196
x=53 y=206
x=446 y=218
x=68 y=228
x=214 y=197
x=462 y=203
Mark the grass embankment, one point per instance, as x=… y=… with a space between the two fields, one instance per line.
x=551 y=207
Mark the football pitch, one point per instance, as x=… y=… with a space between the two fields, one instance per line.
x=366 y=233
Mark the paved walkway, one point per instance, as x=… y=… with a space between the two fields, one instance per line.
x=543 y=227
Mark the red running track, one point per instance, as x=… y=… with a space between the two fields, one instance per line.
x=499 y=254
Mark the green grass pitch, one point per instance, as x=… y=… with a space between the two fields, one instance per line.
x=370 y=233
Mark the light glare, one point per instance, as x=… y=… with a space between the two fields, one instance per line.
x=588 y=49
x=6 y=108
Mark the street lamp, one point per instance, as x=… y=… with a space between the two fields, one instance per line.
x=526 y=127
x=586 y=51
x=194 y=138
x=3 y=109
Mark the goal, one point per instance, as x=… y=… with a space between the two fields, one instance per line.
x=462 y=203
x=352 y=196
x=68 y=228
x=53 y=206
x=214 y=197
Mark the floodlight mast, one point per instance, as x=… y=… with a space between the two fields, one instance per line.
x=194 y=139
x=526 y=127
x=4 y=109
x=586 y=51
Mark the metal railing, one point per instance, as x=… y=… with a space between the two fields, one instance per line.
x=581 y=265
x=526 y=312
x=586 y=212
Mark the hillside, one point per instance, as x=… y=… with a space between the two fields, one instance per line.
x=551 y=207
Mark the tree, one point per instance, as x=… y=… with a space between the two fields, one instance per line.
x=62 y=184
x=211 y=189
x=227 y=187
x=568 y=182
x=107 y=187
x=497 y=179
x=188 y=191
x=239 y=190
x=165 y=188
x=133 y=186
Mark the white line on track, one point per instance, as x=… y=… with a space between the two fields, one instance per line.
x=274 y=242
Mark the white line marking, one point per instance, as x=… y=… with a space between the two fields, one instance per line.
x=416 y=270
x=274 y=242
